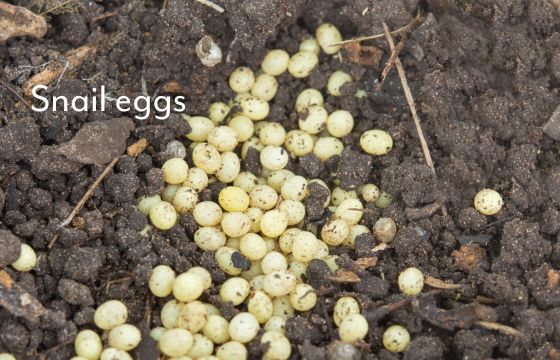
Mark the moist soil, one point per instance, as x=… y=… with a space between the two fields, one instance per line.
x=485 y=76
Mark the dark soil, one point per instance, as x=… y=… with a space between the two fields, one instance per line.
x=486 y=77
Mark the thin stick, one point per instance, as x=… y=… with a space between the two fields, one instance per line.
x=391 y=61
x=104 y=16
x=212 y=5
x=373 y=37
x=504 y=329
x=440 y=284
x=16 y=94
x=413 y=22
x=83 y=200
x=412 y=106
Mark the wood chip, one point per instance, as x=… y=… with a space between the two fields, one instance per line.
x=18 y=301
x=439 y=284
x=367 y=262
x=553 y=278
x=345 y=276
x=380 y=247
x=73 y=59
x=137 y=148
x=19 y=21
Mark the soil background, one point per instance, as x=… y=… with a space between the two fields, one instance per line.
x=486 y=78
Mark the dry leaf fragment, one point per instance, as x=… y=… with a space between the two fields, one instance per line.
x=98 y=142
x=363 y=54
x=19 y=21
x=18 y=301
x=345 y=276
x=468 y=256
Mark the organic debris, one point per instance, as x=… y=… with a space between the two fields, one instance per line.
x=72 y=60
x=18 y=301
x=345 y=276
x=84 y=198
x=367 y=262
x=98 y=142
x=19 y=21
x=413 y=214
x=57 y=7
x=137 y=148
x=363 y=54
x=553 y=278
x=460 y=318
x=412 y=106
x=380 y=312
x=440 y=284
x=468 y=256
x=504 y=329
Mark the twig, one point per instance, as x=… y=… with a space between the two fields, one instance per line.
x=93 y=77
x=83 y=200
x=412 y=106
x=104 y=16
x=72 y=59
x=504 y=329
x=373 y=316
x=413 y=214
x=116 y=281
x=440 y=284
x=392 y=59
x=416 y=20
x=16 y=94
x=66 y=67
x=212 y=5
x=373 y=37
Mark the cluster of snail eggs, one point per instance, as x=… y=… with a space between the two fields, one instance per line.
x=255 y=227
